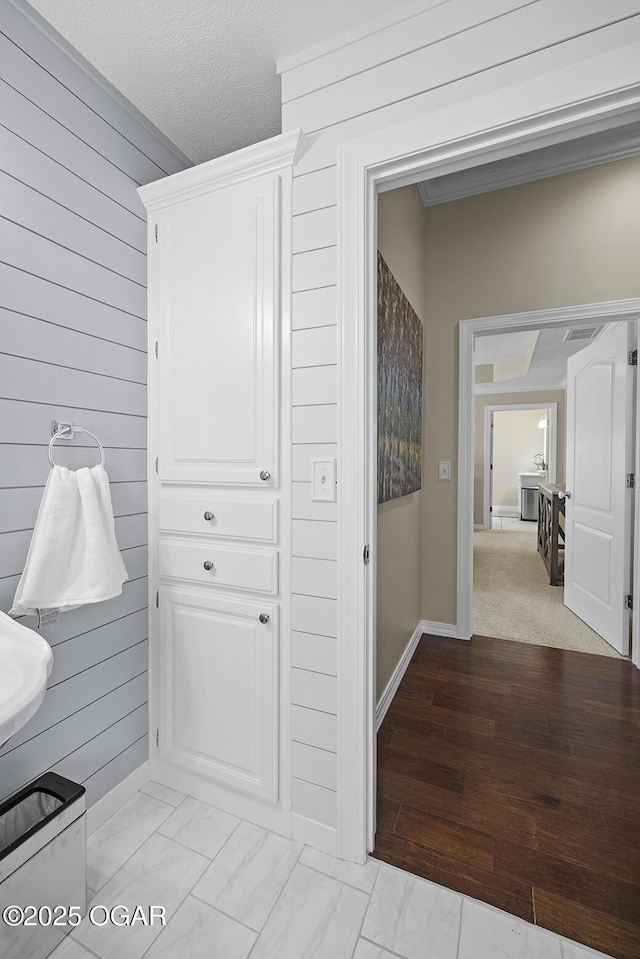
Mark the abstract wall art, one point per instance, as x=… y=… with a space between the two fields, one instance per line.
x=399 y=390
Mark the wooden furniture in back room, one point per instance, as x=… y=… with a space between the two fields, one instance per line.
x=551 y=530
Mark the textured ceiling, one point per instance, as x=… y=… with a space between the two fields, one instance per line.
x=203 y=70
x=548 y=367
x=502 y=346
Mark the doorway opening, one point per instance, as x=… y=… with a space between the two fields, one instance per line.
x=520 y=465
x=472 y=730
x=518 y=453
x=517 y=585
x=450 y=142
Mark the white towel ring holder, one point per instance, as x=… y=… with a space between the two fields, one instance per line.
x=76 y=429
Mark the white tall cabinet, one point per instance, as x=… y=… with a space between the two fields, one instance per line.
x=219 y=294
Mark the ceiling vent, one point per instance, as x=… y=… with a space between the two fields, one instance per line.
x=584 y=333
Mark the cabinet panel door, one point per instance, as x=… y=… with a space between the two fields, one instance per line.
x=216 y=275
x=219 y=689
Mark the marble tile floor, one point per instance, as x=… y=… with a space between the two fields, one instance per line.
x=232 y=890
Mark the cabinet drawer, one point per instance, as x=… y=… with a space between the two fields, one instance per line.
x=251 y=569
x=233 y=517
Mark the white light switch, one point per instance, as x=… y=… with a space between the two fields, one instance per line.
x=444 y=470
x=323 y=482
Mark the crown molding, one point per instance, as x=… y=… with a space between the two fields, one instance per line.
x=268 y=156
x=551 y=161
x=491 y=388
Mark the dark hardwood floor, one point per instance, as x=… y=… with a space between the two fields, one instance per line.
x=511 y=773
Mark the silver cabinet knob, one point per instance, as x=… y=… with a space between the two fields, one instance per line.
x=208 y=516
x=208 y=564
x=264 y=618
x=265 y=475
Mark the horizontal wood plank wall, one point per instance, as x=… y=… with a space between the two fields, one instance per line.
x=425 y=61
x=73 y=347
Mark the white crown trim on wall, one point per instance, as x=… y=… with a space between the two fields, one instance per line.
x=258 y=159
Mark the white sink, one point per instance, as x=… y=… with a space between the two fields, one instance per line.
x=25 y=666
x=532 y=480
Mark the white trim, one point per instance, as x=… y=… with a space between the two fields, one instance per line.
x=396 y=676
x=83 y=64
x=635 y=586
x=315 y=834
x=611 y=311
x=574 y=155
x=489 y=410
x=481 y=389
x=448 y=630
x=121 y=793
x=424 y=626
x=578 y=100
x=268 y=156
x=608 y=311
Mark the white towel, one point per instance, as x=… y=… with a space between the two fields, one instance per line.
x=73 y=558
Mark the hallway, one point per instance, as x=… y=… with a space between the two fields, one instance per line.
x=512 y=598
x=509 y=772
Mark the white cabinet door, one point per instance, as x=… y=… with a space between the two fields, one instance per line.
x=219 y=689
x=216 y=264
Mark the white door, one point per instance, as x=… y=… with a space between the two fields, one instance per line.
x=598 y=504
x=219 y=689
x=216 y=264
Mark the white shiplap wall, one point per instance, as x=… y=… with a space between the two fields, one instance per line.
x=73 y=346
x=428 y=58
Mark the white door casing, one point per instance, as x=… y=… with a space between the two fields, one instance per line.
x=489 y=410
x=576 y=102
x=598 y=504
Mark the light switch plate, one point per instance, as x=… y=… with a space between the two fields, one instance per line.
x=444 y=470
x=323 y=481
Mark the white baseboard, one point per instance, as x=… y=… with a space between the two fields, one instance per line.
x=450 y=630
x=316 y=834
x=117 y=797
x=511 y=511
x=396 y=677
x=479 y=526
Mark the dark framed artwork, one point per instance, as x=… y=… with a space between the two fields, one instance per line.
x=400 y=338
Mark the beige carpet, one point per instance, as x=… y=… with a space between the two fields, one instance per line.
x=512 y=598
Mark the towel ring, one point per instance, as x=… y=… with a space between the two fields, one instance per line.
x=75 y=429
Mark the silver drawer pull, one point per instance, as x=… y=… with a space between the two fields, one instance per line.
x=265 y=475
x=208 y=516
x=264 y=618
x=208 y=564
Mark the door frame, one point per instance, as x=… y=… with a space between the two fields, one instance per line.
x=573 y=102
x=592 y=313
x=489 y=410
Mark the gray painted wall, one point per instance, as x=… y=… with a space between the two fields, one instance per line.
x=73 y=347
